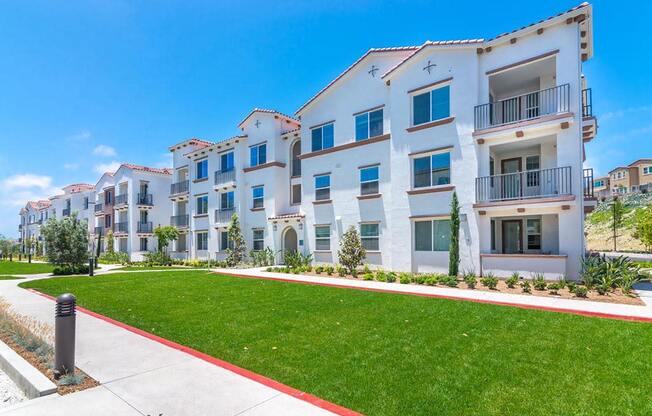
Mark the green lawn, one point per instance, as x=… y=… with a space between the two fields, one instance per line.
x=5 y=277
x=16 y=267
x=132 y=268
x=386 y=354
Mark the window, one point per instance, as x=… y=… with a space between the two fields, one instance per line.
x=202 y=169
x=432 y=170
x=181 y=242
x=258 y=196
x=225 y=243
x=323 y=238
x=369 y=234
x=108 y=198
x=227 y=200
x=107 y=221
x=143 y=244
x=533 y=230
x=85 y=202
x=493 y=235
x=202 y=240
x=322 y=137
x=432 y=235
x=258 y=154
x=122 y=245
x=202 y=205
x=369 y=180
x=296 y=193
x=322 y=187
x=598 y=183
x=259 y=240
x=226 y=162
x=369 y=124
x=431 y=105
x=532 y=163
x=647 y=170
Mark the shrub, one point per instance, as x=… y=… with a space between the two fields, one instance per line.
x=512 y=281
x=264 y=257
x=526 y=287
x=554 y=288
x=329 y=270
x=405 y=278
x=66 y=269
x=539 y=282
x=419 y=279
x=381 y=276
x=341 y=271
x=71 y=380
x=354 y=273
x=470 y=280
x=269 y=269
x=628 y=280
x=391 y=277
x=581 y=291
x=157 y=258
x=571 y=285
x=489 y=281
x=431 y=281
x=366 y=269
x=66 y=241
x=319 y=269
x=236 y=252
x=164 y=235
x=295 y=259
x=368 y=276
x=115 y=257
x=450 y=281
x=351 y=252
x=563 y=282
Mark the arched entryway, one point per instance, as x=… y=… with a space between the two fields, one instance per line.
x=290 y=239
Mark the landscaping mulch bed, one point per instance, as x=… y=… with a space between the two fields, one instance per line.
x=614 y=297
x=34 y=360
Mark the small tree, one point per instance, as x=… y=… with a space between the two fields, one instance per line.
x=617 y=213
x=351 y=252
x=454 y=251
x=165 y=235
x=236 y=253
x=66 y=241
x=109 y=242
x=643 y=226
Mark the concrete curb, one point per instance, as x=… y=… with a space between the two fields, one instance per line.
x=21 y=372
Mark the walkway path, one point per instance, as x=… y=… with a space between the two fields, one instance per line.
x=583 y=307
x=140 y=376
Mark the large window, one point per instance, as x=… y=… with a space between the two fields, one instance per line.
x=227 y=200
x=322 y=137
x=296 y=193
x=532 y=164
x=226 y=162
x=432 y=235
x=258 y=154
x=258 y=194
x=143 y=244
x=647 y=170
x=369 y=124
x=322 y=187
x=323 y=237
x=85 y=202
x=202 y=240
x=369 y=234
x=369 y=180
x=533 y=230
x=202 y=205
x=430 y=106
x=259 y=239
x=225 y=242
x=432 y=170
x=202 y=169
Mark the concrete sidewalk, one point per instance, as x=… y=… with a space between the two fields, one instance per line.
x=529 y=301
x=140 y=376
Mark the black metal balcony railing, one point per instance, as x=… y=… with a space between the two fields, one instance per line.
x=587 y=178
x=226 y=176
x=587 y=103
x=145 y=199
x=145 y=227
x=122 y=199
x=66 y=212
x=523 y=107
x=223 y=215
x=121 y=227
x=179 y=220
x=296 y=167
x=179 y=187
x=99 y=207
x=524 y=185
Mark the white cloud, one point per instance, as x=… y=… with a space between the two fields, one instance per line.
x=79 y=136
x=104 y=150
x=27 y=180
x=71 y=166
x=16 y=190
x=106 y=167
x=624 y=112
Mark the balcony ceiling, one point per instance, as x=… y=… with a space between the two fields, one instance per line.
x=522 y=79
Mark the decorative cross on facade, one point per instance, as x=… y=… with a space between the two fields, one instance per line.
x=373 y=71
x=257 y=123
x=429 y=66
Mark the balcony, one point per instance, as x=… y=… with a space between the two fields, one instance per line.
x=122 y=199
x=179 y=188
x=145 y=227
x=180 y=221
x=99 y=207
x=145 y=199
x=121 y=227
x=587 y=103
x=587 y=180
x=224 y=177
x=296 y=167
x=223 y=216
x=530 y=184
x=65 y=212
x=523 y=107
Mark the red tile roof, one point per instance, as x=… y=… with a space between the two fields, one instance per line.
x=39 y=204
x=165 y=171
x=191 y=141
x=265 y=110
x=78 y=187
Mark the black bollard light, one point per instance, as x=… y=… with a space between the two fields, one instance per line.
x=91 y=266
x=11 y=256
x=64 y=335
x=29 y=258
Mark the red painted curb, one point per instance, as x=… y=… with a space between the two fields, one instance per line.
x=283 y=388
x=432 y=295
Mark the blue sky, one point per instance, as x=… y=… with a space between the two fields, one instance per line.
x=87 y=84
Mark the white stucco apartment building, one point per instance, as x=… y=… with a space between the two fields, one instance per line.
x=501 y=122
x=32 y=217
